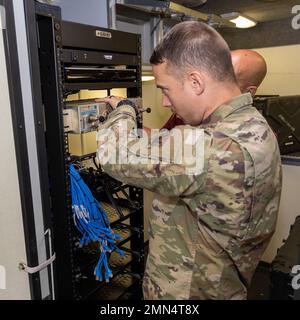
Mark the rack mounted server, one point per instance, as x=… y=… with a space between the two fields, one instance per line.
x=74 y=57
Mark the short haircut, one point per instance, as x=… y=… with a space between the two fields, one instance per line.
x=193 y=44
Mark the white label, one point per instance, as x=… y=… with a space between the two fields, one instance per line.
x=108 y=57
x=103 y=34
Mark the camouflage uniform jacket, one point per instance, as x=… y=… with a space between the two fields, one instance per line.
x=209 y=230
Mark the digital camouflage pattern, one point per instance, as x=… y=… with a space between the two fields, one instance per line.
x=209 y=230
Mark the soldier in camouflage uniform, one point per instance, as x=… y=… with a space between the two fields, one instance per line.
x=208 y=227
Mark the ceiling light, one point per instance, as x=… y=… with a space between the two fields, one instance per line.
x=241 y=21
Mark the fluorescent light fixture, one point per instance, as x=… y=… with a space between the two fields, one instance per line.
x=241 y=21
x=147 y=78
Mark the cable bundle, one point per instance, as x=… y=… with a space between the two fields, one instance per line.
x=92 y=222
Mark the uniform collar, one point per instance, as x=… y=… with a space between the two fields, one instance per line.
x=227 y=108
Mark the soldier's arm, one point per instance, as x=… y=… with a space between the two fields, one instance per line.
x=149 y=164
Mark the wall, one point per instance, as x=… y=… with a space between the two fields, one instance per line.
x=92 y=12
x=144 y=30
x=152 y=98
x=283 y=75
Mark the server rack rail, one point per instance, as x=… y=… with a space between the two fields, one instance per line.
x=71 y=57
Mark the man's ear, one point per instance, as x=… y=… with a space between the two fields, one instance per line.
x=252 y=90
x=197 y=82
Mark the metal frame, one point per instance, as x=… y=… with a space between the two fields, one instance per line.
x=50 y=48
x=17 y=112
x=33 y=41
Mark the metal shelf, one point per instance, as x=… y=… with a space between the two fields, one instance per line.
x=99 y=85
x=89 y=285
x=89 y=255
x=121 y=288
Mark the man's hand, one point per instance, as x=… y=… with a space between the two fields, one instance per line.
x=111 y=100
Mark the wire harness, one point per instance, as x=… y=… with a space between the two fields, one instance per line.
x=91 y=221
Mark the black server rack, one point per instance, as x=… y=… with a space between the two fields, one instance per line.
x=71 y=57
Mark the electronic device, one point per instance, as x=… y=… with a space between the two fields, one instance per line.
x=283 y=116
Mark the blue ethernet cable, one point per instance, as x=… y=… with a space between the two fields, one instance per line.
x=91 y=221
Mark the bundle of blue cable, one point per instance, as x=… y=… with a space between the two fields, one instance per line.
x=93 y=224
